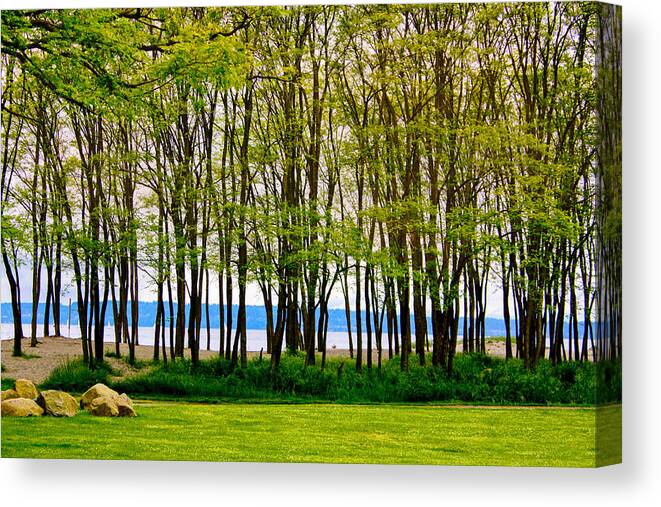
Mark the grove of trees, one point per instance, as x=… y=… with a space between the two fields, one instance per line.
x=409 y=157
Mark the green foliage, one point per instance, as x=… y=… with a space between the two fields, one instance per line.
x=608 y=381
x=29 y=356
x=475 y=379
x=417 y=127
x=137 y=364
x=76 y=376
x=7 y=383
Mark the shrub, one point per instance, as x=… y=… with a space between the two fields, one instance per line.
x=475 y=379
x=608 y=380
x=76 y=376
x=7 y=383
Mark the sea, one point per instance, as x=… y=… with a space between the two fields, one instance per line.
x=256 y=337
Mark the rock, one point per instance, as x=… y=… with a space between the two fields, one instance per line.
x=122 y=403
x=26 y=389
x=9 y=394
x=94 y=392
x=21 y=407
x=125 y=406
x=58 y=403
x=103 y=406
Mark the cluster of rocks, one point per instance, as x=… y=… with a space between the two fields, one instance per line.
x=102 y=401
x=25 y=400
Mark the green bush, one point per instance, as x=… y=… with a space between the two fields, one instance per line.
x=76 y=376
x=7 y=383
x=475 y=379
x=608 y=380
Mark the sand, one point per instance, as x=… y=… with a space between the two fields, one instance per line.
x=52 y=351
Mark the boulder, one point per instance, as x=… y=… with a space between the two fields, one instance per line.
x=26 y=389
x=21 y=407
x=58 y=403
x=125 y=406
x=122 y=403
x=103 y=406
x=9 y=394
x=94 y=392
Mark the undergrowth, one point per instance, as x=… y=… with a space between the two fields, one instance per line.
x=474 y=379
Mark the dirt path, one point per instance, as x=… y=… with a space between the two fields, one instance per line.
x=54 y=350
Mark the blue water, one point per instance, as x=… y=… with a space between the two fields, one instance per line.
x=256 y=338
x=255 y=316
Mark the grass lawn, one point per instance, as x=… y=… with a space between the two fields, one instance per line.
x=319 y=433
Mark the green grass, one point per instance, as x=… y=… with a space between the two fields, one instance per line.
x=137 y=364
x=318 y=433
x=7 y=383
x=608 y=435
x=29 y=356
x=494 y=339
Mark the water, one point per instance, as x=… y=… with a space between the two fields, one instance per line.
x=256 y=337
